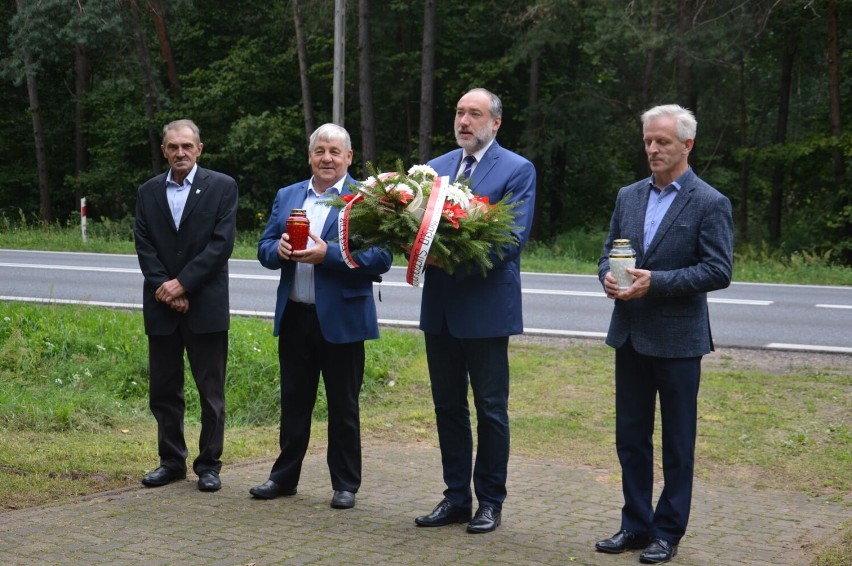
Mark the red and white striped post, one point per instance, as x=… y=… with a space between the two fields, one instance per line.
x=83 y=218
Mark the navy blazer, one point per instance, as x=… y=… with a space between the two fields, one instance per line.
x=197 y=254
x=477 y=306
x=344 y=296
x=690 y=255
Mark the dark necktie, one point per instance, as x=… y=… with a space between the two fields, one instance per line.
x=468 y=166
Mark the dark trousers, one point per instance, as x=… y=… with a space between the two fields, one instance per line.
x=484 y=363
x=208 y=356
x=303 y=355
x=638 y=380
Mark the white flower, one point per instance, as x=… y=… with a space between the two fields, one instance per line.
x=401 y=188
x=459 y=194
x=422 y=170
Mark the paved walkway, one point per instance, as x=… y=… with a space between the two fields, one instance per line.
x=554 y=514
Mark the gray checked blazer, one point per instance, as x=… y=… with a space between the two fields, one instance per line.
x=690 y=255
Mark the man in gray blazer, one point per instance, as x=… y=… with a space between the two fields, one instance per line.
x=184 y=231
x=682 y=231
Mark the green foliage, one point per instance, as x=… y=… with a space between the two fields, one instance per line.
x=572 y=76
x=66 y=368
x=388 y=208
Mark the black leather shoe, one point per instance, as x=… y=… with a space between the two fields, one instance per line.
x=486 y=519
x=209 y=481
x=657 y=552
x=162 y=476
x=271 y=490
x=621 y=541
x=343 y=500
x=444 y=514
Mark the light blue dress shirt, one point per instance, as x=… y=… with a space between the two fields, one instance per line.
x=177 y=194
x=659 y=202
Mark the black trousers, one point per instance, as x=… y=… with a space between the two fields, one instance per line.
x=208 y=356
x=304 y=355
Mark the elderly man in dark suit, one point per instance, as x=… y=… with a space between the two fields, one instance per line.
x=467 y=318
x=184 y=231
x=682 y=231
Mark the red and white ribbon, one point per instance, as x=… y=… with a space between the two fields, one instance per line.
x=343 y=232
x=426 y=233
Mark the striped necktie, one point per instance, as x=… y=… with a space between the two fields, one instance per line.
x=468 y=166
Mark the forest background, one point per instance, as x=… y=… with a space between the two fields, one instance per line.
x=87 y=85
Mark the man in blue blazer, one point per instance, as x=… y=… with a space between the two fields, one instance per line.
x=682 y=231
x=184 y=232
x=467 y=319
x=323 y=313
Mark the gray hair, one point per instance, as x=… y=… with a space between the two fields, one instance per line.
x=495 y=106
x=179 y=124
x=685 y=119
x=330 y=133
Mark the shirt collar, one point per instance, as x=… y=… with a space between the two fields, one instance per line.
x=677 y=183
x=189 y=178
x=481 y=153
x=335 y=188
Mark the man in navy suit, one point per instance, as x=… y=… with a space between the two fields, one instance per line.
x=184 y=232
x=682 y=231
x=323 y=313
x=467 y=318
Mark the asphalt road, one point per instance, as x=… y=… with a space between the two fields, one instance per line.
x=789 y=317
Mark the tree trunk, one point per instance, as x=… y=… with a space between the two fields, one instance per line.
x=745 y=166
x=38 y=132
x=82 y=81
x=148 y=87
x=837 y=128
x=776 y=201
x=365 y=86
x=685 y=91
x=158 y=11
x=650 y=55
x=427 y=79
x=533 y=126
x=302 y=50
x=647 y=86
x=834 y=93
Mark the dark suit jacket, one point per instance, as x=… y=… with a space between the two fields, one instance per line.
x=344 y=296
x=691 y=254
x=197 y=254
x=475 y=306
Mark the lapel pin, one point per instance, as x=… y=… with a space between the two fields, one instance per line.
x=198 y=191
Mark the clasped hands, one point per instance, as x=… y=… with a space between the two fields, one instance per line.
x=173 y=294
x=639 y=288
x=313 y=255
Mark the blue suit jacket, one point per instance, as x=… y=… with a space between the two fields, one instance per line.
x=344 y=296
x=691 y=254
x=477 y=306
x=197 y=254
